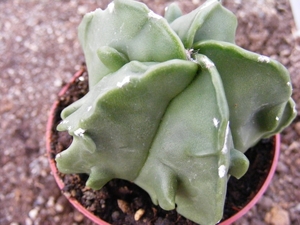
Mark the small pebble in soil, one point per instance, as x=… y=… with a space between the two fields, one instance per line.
x=123 y=206
x=266 y=203
x=28 y=221
x=115 y=215
x=297 y=127
x=78 y=217
x=89 y=195
x=102 y=203
x=59 y=208
x=138 y=214
x=297 y=208
x=50 y=202
x=294 y=146
x=281 y=167
x=34 y=213
x=39 y=200
x=277 y=216
x=61 y=202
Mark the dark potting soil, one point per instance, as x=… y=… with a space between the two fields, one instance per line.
x=121 y=202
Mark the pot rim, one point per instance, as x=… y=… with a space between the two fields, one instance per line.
x=98 y=220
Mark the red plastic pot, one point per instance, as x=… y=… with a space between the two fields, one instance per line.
x=99 y=221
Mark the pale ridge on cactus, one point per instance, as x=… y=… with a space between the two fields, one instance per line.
x=173 y=104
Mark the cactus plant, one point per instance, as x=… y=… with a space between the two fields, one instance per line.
x=173 y=104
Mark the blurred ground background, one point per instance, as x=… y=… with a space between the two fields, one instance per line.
x=39 y=52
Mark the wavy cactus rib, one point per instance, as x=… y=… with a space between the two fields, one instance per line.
x=173 y=105
x=210 y=21
x=247 y=75
x=126 y=26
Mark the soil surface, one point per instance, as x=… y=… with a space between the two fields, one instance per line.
x=40 y=51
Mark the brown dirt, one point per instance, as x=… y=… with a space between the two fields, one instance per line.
x=40 y=51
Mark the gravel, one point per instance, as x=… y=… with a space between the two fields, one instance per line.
x=40 y=51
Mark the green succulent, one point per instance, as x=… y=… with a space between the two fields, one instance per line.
x=173 y=104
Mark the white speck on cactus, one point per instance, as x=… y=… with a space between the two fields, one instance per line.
x=222 y=171
x=277 y=118
x=111 y=7
x=216 y=122
x=208 y=64
x=263 y=59
x=64 y=122
x=151 y=14
x=79 y=132
x=294 y=110
x=225 y=149
x=126 y=80
x=89 y=108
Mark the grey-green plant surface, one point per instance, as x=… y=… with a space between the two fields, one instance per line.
x=173 y=104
